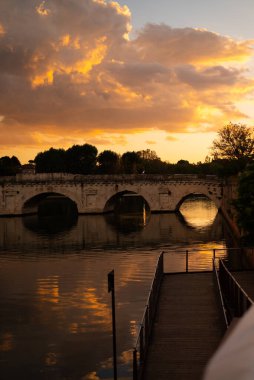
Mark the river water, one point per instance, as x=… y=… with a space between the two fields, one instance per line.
x=55 y=309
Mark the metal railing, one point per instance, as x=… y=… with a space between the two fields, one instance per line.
x=192 y=259
x=224 y=309
x=140 y=349
x=236 y=299
x=230 y=292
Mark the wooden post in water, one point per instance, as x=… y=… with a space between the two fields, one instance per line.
x=214 y=257
x=135 y=365
x=187 y=261
x=111 y=289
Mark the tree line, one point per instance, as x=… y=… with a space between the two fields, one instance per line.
x=231 y=151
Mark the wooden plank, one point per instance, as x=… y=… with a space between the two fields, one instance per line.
x=187 y=329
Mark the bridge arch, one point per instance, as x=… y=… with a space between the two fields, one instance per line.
x=114 y=201
x=182 y=197
x=198 y=212
x=32 y=203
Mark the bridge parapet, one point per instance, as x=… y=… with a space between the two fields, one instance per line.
x=67 y=177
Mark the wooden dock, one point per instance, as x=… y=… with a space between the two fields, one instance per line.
x=188 y=327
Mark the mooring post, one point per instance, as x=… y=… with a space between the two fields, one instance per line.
x=111 y=289
x=187 y=261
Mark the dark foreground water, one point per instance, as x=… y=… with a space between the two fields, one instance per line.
x=55 y=310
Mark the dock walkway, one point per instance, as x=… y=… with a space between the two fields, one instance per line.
x=187 y=329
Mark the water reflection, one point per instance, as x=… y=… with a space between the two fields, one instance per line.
x=56 y=214
x=128 y=222
x=49 y=225
x=105 y=232
x=199 y=214
x=55 y=320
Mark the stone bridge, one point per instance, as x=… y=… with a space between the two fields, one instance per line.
x=21 y=194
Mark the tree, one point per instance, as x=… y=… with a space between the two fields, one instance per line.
x=9 y=165
x=51 y=161
x=148 y=154
x=108 y=162
x=235 y=141
x=226 y=167
x=150 y=163
x=130 y=162
x=183 y=166
x=81 y=159
x=245 y=202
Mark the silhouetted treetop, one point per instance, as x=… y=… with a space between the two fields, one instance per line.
x=235 y=141
x=130 y=162
x=51 y=161
x=81 y=159
x=108 y=162
x=9 y=165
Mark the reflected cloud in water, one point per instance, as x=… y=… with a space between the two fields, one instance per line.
x=6 y=342
x=55 y=307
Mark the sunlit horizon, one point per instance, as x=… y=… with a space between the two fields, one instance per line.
x=143 y=76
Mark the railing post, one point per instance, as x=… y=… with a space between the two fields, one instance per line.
x=238 y=300
x=187 y=261
x=214 y=256
x=141 y=344
x=162 y=264
x=147 y=325
x=111 y=289
x=241 y=303
x=135 y=365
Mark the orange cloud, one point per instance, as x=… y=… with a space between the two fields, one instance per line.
x=171 y=138
x=151 y=142
x=77 y=76
x=2 y=31
x=78 y=68
x=42 y=10
x=174 y=46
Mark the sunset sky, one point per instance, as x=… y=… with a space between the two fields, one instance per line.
x=128 y=75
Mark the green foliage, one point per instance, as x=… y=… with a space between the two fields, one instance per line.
x=184 y=167
x=51 y=161
x=9 y=166
x=245 y=202
x=155 y=166
x=225 y=167
x=130 y=162
x=235 y=141
x=148 y=154
x=81 y=159
x=108 y=162
x=233 y=149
